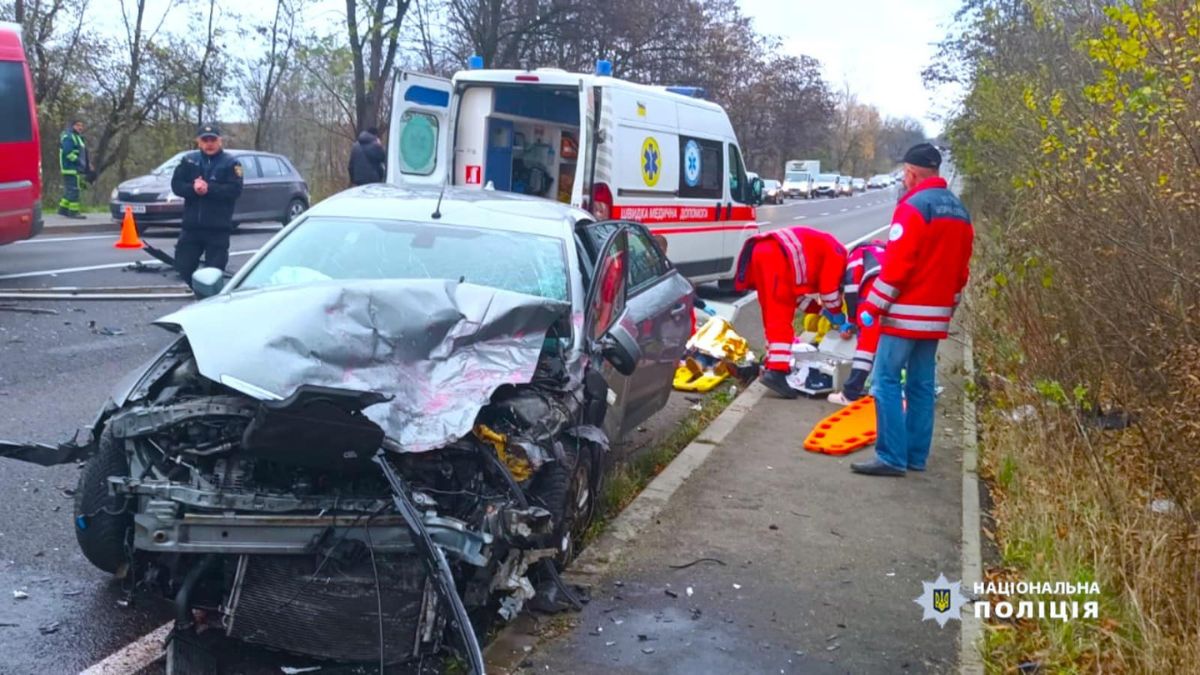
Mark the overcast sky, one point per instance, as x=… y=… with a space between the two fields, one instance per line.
x=878 y=46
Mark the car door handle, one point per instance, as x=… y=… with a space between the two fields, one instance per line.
x=679 y=309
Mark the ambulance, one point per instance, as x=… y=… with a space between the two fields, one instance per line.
x=661 y=156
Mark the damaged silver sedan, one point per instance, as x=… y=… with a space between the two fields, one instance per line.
x=384 y=433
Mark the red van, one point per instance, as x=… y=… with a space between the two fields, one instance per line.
x=20 y=156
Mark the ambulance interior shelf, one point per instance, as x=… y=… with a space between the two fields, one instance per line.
x=531 y=157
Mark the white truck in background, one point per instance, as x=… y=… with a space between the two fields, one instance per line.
x=799 y=176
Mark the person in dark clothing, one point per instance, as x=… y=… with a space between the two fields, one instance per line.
x=367 y=159
x=210 y=182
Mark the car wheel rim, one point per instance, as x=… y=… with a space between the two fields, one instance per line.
x=579 y=505
x=297 y=209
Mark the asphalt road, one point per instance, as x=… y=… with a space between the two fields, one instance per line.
x=57 y=367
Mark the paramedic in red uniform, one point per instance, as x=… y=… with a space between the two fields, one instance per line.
x=924 y=271
x=862 y=267
x=784 y=266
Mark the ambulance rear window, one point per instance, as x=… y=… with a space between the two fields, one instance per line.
x=701 y=168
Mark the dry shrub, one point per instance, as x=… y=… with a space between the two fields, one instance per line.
x=1080 y=140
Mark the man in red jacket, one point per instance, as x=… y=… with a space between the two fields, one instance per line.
x=784 y=266
x=924 y=271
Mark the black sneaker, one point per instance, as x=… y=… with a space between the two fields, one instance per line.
x=63 y=211
x=776 y=381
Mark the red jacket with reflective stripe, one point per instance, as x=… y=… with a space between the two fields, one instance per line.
x=925 y=265
x=818 y=261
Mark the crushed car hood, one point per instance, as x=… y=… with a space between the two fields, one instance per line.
x=438 y=348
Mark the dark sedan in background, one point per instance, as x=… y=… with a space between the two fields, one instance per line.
x=273 y=191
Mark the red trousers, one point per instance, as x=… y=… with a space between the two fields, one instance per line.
x=774 y=278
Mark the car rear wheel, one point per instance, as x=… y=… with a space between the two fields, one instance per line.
x=103 y=522
x=294 y=209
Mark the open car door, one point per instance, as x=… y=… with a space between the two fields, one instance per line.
x=421 y=133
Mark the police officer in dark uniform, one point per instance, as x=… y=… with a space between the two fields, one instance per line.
x=210 y=182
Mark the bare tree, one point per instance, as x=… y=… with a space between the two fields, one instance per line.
x=201 y=71
x=264 y=77
x=375 y=56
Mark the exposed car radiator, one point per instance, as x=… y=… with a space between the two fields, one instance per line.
x=277 y=602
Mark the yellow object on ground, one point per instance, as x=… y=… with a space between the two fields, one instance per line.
x=846 y=430
x=687 y=380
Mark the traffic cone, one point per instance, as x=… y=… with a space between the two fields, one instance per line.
x=129 y=233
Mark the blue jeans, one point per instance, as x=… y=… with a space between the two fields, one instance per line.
x=905 y=435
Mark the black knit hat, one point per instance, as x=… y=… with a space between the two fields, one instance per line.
x=923 y=155
x=209 y=129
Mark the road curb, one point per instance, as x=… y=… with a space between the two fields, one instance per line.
x=80 y=228
x=971 y=659
x=645 y=508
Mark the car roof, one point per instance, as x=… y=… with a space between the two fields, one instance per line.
x=486 y=209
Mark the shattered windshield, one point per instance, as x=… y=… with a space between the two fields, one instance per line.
x=325 y=248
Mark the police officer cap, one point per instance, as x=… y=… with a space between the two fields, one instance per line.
x=207 y=130
x=923 y=155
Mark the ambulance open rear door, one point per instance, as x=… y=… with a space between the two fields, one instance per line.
x=421 y=131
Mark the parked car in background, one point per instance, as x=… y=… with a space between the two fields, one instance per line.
x=826 y=185
x=273 y=191
x=879 y=180
x=799 y=184
x=858 y=184
x=21 y=163
x=772 y=191
x=844 y=187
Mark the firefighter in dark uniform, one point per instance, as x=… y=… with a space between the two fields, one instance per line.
x=210 y=182
x=76 y=168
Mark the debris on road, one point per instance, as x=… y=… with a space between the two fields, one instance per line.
x=694 y=562
x=289 y=670
x=105 y=330
x=690 y=591
x=20 y=595
x=48 y=628
x=671 y=593
x=27 y=310
x=737 y=587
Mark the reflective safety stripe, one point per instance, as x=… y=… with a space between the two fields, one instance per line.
x=921 y=310
x=792 y=244
x=829 y=297
x=886 y=289
x=780 y=345
x=913 y=324
x=879 y=302
x=805 y=302
x=854 y=263
x=850 y=288
x=779 y=358
x=859 y=365
x=864 y=355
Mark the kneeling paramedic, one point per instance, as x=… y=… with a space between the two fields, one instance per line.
x=210 y=182
x=862 y=268
x=785 y=265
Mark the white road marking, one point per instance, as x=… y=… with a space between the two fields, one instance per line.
x=134 y=656
x=798 y=218
x=47 y=240
x=89 y=268
x=844 y=210
x=824 y=214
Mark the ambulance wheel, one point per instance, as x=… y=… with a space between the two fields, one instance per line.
x=103 y=522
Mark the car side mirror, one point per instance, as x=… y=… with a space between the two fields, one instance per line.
x=620 y=349
x=756 y=190
x=207 y=282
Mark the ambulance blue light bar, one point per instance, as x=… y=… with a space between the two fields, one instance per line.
x=475 y=62
x=694 y=92
x=604 y=68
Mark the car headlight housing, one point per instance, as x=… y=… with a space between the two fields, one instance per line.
x=114 y=194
